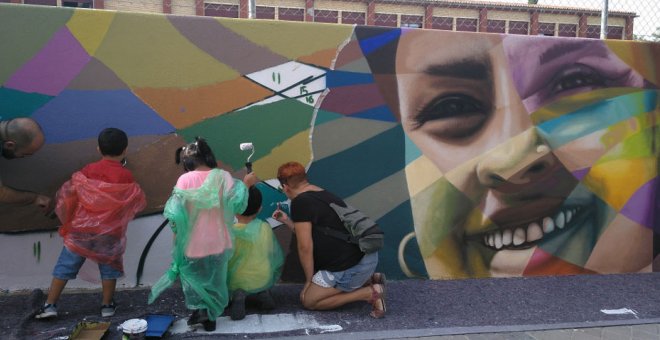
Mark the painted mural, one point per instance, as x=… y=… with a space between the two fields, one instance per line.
x=479 y=155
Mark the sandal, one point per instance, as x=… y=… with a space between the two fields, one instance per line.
x=378 y=278
x=377 y=301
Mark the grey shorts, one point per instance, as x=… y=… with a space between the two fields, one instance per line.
x=351 y=278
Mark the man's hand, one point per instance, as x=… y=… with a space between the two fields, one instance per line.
x=44 y=203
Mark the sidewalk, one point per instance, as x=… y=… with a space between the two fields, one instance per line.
x=641 y=332
x=515 y=308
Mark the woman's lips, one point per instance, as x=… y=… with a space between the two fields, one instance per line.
x=527 y=235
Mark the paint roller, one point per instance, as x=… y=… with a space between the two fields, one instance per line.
x=246 y=147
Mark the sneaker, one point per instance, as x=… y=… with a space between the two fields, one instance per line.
x=209 y=325
x=198 y=316
x=237 y=308
x=108 y=310
x=266 y=301
x=48 y=310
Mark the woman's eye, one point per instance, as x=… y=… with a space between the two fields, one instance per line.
x=449 y=106
x=575 y=78
x=453 y=115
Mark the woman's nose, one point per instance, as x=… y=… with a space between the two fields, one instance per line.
x=522 y=160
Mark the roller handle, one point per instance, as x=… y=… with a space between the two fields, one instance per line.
x=248 y=165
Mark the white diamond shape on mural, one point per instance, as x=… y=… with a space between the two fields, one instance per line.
x=292 y=80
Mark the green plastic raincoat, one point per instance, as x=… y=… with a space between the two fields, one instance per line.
x=207 y=210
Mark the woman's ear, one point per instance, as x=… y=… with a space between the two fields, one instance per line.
x=9 y=144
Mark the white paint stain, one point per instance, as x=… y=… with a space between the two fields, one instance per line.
x=620 y=311
x=256 y=323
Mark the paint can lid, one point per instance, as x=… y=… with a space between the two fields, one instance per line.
x=134 y=326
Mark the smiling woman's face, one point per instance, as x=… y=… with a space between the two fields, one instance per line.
x=508 y=198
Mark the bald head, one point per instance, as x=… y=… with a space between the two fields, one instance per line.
x=21 y=137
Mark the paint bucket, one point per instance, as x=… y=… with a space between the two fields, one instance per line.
x=134 y=329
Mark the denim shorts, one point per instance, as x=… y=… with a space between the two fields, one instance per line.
x=69 y=263
x=351 y=278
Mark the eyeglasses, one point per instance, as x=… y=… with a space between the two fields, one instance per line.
x=282 y=183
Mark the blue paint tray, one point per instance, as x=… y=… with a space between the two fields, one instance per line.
x=157 y=324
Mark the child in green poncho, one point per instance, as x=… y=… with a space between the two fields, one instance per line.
x=257 y=261
x=201 y=209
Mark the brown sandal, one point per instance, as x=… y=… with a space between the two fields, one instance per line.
x=377 y=301
x=378 y=278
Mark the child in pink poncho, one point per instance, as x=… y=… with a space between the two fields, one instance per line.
x=95 y=207
x=200 y=210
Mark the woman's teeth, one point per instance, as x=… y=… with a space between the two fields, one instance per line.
x=532 y=232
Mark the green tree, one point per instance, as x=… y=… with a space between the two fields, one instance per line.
x=651 y=37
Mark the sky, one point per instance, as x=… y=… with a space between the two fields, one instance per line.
x=648 y=11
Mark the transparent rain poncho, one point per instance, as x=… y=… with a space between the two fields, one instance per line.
x=258 y=258
x=95 y=215
x=202 y=246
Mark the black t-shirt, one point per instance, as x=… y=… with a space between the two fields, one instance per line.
x=330 y=253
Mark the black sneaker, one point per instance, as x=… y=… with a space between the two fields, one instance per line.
x=209 y=325
x=108 y=310
x=266 y=301
x=48 y=310
x=237 y=308
x=198 y=316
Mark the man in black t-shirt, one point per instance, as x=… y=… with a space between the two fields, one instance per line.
x=336 y=271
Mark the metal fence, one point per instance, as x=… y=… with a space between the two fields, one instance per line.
x=626 y=19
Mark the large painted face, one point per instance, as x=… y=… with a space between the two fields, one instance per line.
x=514 y=134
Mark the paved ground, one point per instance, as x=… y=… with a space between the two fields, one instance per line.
x=574 y=307
x=642 y=332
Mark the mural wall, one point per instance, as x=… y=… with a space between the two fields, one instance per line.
x=479 y=154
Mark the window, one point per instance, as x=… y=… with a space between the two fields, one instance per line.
x=614 y=32
x=78 y=3
x=220 y=10
x=326 y=16
x=567 y=30
x=442 y=23
x=466 y=25
x=413 y=21
x=41 y=2
x=496 y=26
x=264 y=12
x=518 y=27
x=384 y=19
x=357 y=18
x=291 y=14
x=593 y=31
x=546 y=28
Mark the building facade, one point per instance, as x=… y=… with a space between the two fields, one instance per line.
x=473 y=16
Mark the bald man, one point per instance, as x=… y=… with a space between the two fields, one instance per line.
x=21 y=137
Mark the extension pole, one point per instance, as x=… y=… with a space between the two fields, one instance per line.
x=603 y=20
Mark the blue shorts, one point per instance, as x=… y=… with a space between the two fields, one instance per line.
x=351 y=278
x=69 y=263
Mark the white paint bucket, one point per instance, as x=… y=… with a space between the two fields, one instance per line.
x=134 y=329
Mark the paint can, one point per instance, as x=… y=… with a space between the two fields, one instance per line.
x=134 y=329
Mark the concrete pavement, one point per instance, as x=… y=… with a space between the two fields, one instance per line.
x=571 y=307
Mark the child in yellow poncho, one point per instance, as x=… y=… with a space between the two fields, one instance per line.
x=257 y=261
